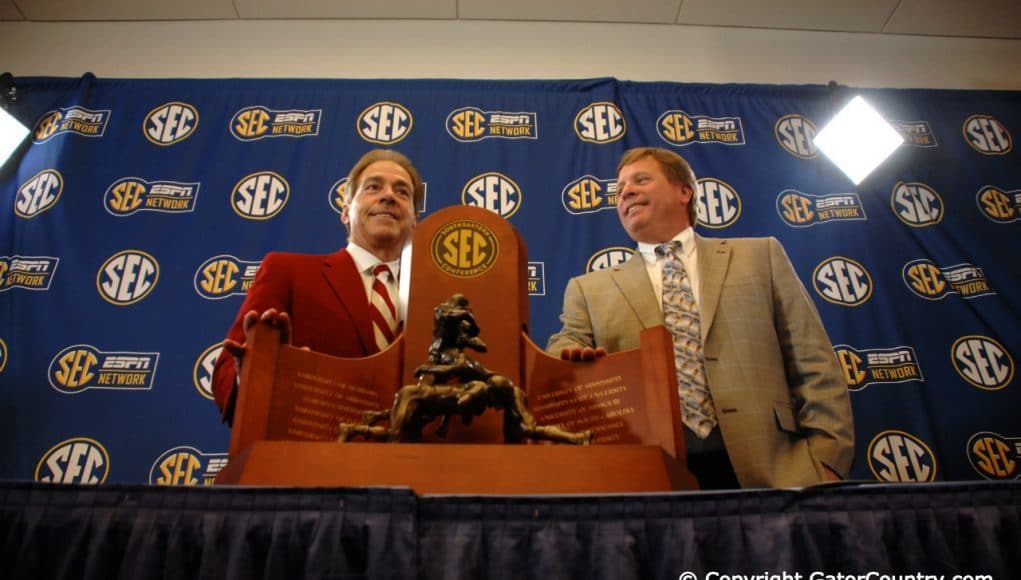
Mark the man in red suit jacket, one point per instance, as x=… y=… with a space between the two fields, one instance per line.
x=321 y=301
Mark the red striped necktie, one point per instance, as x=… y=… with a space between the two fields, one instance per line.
x=381 y=308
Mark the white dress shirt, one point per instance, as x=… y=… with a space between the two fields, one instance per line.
x=365 y=262
x=654 y=263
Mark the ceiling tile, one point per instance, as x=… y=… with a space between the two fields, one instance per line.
x=127 y=9
x=832 y=15
x=424 y=9
x=652 y=11
x=987 y=19
x=8 y=11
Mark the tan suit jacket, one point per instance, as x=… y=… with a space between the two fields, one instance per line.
x=781 y=399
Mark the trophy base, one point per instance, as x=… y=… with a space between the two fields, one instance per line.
x=468 y=469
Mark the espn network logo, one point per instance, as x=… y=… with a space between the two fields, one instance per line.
x=927 y=280
x=27 y=272
x=77 y=120
x=132 y=194
x=680 y=128
x=800 y=210
x=258 y=122
x=186 y=466
x=224 y=275
x=83 y=366
x=877 y=365
x=471 y=124
x=589 y=194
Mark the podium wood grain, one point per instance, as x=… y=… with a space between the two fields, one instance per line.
x=459 y=469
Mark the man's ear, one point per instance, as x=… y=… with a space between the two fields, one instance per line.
x=345 y=217
x=687 y=193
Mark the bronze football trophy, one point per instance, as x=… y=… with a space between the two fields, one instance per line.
x=451 y=383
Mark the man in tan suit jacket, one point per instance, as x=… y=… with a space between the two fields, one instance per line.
x=781 y=402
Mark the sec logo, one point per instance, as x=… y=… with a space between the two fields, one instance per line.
x=465 y=248
x=260 y=195
x=170 y=123
x=127 y=277
x=385 y=123
x=77 y=460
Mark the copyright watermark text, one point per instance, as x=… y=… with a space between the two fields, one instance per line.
x=872 y=575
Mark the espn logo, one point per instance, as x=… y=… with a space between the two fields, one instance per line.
x=83 y=366
x=680 y=128
x=132 y=194
x=866 y=367
x=801 y=210
x=27 y=272
x=186 y=466
x=471 y=124
x=589 y=194
x=224 y=275
x=257 y=122
x=77 y=120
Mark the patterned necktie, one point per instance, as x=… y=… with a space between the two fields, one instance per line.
x=382 y=310
x=681 y=316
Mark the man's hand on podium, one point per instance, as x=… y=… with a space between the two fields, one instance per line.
x=272 y=317
x=579 y=353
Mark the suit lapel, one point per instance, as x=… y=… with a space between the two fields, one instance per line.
x=713 y=260
x=343 y=277
x=632 y=278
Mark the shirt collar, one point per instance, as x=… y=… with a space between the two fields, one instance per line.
x=366 y=262
x=686 y=237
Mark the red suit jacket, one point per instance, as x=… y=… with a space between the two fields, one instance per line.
x=325 y=297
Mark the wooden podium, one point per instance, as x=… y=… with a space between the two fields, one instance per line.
x=291 y=400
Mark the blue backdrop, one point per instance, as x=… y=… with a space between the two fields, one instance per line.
x=132 y=224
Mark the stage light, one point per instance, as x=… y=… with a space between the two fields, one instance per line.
x=858 y=139
x=12 y=133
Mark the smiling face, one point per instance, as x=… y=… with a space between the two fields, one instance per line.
x=651 y=208
x=381 y=213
